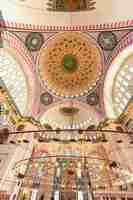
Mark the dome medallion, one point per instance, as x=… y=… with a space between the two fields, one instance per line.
x=70 y=64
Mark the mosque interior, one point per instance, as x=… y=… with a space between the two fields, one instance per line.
x=66 y=100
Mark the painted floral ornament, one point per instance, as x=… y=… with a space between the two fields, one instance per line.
x=34 y=41
x=93 y=99
x=46 y=98
x=107 y=40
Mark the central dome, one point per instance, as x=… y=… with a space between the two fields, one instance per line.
x=70 y=64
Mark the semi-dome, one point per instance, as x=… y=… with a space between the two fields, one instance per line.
x=67 y=115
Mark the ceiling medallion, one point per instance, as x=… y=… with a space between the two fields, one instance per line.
x=69 y=110
x=34 y=41
x=70 y=64
x=71 y=5
x=46 y=98
x=107 y=40
x=92 y=99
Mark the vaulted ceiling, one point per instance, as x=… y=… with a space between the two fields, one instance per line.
x=67 y=51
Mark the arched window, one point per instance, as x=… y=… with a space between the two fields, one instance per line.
x=14 y=79
x=118 y=85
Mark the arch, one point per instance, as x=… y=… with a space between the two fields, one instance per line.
x=17 y=56
x=117 y=76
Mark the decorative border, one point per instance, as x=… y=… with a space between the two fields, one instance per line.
x=14 y=42
x=41 y=28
